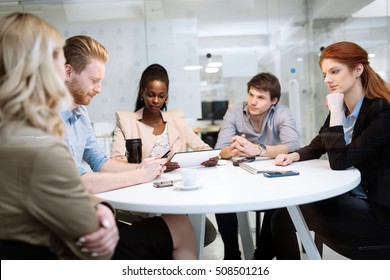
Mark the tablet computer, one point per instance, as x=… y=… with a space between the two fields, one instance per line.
x=194 y=158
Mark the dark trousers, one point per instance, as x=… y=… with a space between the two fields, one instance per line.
x=228 y=228
x=148 y=239
x=264 y=248
x=16 y=250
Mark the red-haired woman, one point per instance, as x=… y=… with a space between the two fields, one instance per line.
x=356 y=133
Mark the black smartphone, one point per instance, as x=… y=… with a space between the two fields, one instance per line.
x=163 y=184
x=273 y=174
x=166 y=154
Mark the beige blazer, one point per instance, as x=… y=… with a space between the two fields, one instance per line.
x=43 y=201
x=128 y=126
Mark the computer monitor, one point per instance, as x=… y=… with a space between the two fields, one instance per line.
x=214 y=110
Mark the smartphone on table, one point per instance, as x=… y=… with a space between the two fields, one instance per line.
x=163 y=184
x=273 y=174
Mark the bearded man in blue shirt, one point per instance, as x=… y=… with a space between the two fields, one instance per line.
x=165 y=237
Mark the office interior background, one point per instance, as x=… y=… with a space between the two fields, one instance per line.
x=211 y=48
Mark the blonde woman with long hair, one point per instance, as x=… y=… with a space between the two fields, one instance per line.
x=44 y=208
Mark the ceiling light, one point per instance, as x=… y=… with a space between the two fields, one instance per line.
x=214 y=64
x=192 y=67
x=371 y=55
x=212 y=70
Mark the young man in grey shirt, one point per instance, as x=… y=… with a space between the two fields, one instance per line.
x=258 y=127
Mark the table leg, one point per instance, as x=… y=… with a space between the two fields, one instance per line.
x=246 y=234
x=199 y=223
x=303 y=232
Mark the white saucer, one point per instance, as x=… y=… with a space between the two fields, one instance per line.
x=187 y=188
x=222 y=162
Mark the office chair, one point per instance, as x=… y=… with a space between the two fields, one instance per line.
x=210 y=138
x=351 y=251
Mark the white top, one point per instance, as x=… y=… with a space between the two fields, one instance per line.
x=227 y=188
x=162 y=143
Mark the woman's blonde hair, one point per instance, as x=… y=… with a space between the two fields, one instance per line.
x=30 y=87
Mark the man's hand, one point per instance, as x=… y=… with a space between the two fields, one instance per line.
x=104 y=240
x=241 y=147
x=151 y=167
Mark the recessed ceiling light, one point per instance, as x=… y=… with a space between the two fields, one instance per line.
x=214 y=64
x=192 y=67
x=212 y=70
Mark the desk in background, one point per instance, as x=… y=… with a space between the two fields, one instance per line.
x=225 y=189
x=209 y=134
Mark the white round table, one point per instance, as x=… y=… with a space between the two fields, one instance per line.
x=227 y=188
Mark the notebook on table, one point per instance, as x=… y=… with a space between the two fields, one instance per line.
x=261 y=165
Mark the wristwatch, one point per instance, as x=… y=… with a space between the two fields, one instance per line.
x=262 y=149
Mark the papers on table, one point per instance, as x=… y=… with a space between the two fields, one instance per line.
x=261 y=165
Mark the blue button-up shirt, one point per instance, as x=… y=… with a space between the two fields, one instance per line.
x=81 y=139
x=349 y=122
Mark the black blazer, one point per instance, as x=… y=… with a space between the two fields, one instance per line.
x=369 y=151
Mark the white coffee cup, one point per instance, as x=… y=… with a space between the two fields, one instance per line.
x=189 y=177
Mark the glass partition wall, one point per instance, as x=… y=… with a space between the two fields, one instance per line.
x=212 y=48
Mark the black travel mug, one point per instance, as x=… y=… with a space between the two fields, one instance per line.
x=134 y=150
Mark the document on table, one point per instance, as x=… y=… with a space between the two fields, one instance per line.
x=261 y=166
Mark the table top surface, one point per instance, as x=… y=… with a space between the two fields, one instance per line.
x=227 y=188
